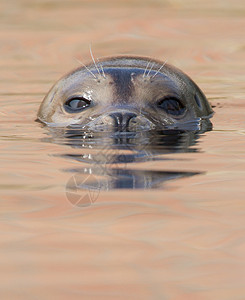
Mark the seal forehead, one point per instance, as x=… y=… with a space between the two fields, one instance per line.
x=134 y=85
x=122 y=81
x=131 y=62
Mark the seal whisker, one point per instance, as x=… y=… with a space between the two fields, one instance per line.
x=159 y=69
x=90 y=49
x=146 y=68
x=87 y=69
x=101 y=66
x=150 y=69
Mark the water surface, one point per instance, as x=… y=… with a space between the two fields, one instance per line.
x=157 y=219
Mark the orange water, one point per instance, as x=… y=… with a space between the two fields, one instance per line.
x=182 y=241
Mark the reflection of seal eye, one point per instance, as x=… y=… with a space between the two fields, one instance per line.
x=171 y=106
x=77 y=104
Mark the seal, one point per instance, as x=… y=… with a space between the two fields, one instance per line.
x=124 y=93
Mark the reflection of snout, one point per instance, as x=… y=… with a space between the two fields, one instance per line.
x=121 y=121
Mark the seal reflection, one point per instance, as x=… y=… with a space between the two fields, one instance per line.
x=106 y=157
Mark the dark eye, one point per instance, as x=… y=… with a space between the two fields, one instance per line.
x=77 y=104
x=171 y=106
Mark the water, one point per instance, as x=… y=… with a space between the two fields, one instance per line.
x=159 y=219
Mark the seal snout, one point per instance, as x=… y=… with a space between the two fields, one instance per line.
x=121 y=121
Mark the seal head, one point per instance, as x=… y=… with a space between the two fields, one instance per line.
x=124 y=94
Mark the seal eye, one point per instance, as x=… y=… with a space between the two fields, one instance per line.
x=77 y=104
x=171 y=106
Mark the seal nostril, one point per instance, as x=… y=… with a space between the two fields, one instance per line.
x=117 y=118
x=121 y=120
